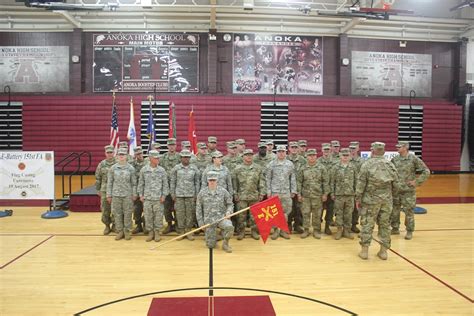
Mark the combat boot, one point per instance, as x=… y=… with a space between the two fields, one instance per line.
x=382 y=254
x=255 y=234
x=151 y=235
x=338 y=233
x=167 y=229
x=317 y=234
x=241 y=234
x=347 y=234
x=190 y=237
x=409 y=235
x=119 y=236
x=113 y=229
x=275 y=234
x=305 y=233
x=364 y=252
x=127 y=235
x=219 y=236
x=137 y=229
x=355 y=229
x=107 y=230
x=298 y=229
x=226 y=247
x=327 y=230
x=157 y=236
x=395 y=231
x=284 y=234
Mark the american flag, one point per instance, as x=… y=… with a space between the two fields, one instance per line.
x=114 y=138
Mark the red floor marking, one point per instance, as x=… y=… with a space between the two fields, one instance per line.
x=26 y=252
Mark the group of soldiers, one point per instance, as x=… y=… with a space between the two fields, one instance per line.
x=190 y=190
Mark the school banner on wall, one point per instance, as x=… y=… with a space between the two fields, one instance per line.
x=391 y=74
x=133 y=62
x=35 y=68
x=27 y=175
x=293 y=64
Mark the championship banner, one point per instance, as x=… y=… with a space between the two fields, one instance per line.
x=35 y=68
x=388 y=155
x=267 y=214
x=27 y=175
x=294 y=64
x=391 y=74
x=134 y=62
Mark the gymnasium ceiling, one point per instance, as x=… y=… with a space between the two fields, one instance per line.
x=426 y=20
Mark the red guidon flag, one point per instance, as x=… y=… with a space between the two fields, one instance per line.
x=268 y=214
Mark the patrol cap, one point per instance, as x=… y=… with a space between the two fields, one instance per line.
x=138 y=150
x=122 y=151
x=123 y=144
x=293 y=144
x=311 y=151
x=262 y=144
x=154 y=154
x=109 y=149
x=185 y=143
x=156 y=145
x=269 y=142
x=355 y=143
x=201 y=145
x=248 y=151
x=302 y=142
x=281 y=148
x=240 y=141
x=216 y=154
x=326 y=146
x=212 y=175
x=377 y=145
x=185 y=153
x=171 y=141
x=212 y=139
x=335 y=143
x=353 y=147
x=403 y=143
x=345 y=152
x=231 y=145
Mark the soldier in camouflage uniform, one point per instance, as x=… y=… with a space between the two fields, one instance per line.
x=343 y=179
x=121 y=192
x=138 y=163
x=408 y=166
x=302 y=145
x=295 y=219
x=313 y=190
x=240 y=146
x=327 y=161
x=202 y=159
x=281 y=181
x=262 y=158
x=154 y=146
x=224 y=176
x=185 y=185
x=211 y=144
x=376 y=184
x=335 y=148
x=357 y=162
x=152 y=190
x=249 y=188
x=213 y=203
x=271 y=155
x=168 y=161
x=231 y=160
x=101 y=186
x=125 y=145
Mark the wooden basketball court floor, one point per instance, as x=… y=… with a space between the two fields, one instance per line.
x=65 y=266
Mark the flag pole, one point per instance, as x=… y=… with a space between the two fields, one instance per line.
x=200 y=228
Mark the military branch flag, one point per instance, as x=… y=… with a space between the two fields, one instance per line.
x=172 y=126
x=192 y=132
x=131 y=134
x=114 y=137
x=267 y=214
x=150 y=127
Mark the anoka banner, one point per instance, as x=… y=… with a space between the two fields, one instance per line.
x=27 y=175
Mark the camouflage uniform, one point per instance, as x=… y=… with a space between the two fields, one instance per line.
x=185 y=185
x=343 y=180
x=407 y=168
x=168 y=161
x=152 y=186
x=249 y=188
x=121 y=187
x=101 y=186
x=210 y=207
x=224 y=179
x=313 y=184
x=357 y=163
x=137 y=204
x=376 y=184
x=329 y=204
x=296 y=217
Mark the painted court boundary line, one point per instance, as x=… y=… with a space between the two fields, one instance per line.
x=18 y=257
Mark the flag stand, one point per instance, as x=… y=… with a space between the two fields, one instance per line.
x=54 y=213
